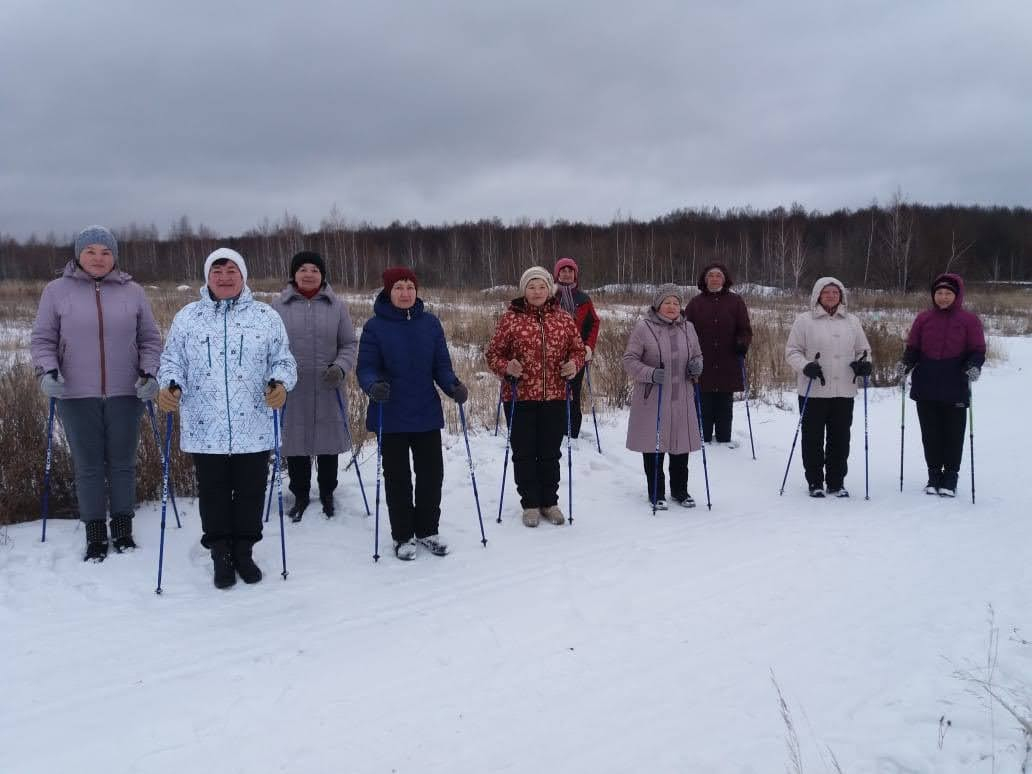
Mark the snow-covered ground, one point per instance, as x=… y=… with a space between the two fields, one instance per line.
x=622 y=643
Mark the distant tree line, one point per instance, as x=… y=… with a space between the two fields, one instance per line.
x=897 y=246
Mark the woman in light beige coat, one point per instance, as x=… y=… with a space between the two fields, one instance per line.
x=828 y=349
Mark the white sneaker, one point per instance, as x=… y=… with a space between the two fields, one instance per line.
x=405 y=551
x=944 y=492
x=661 y=505
x=843 y=492
x=729 y=444
x=434 y=544
x=687 y=502
x=931 y=490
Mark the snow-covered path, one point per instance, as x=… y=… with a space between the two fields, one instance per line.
x=623 y=643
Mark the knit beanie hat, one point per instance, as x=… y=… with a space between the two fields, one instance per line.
x=396 y=274
x=946 y=281
x=306 y=256
x=224 y=253
x=665 y=291
x=566 y=263
x=536 y=272
x=95 y=235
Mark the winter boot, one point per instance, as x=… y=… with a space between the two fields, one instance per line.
x=660 y=504
x=300 y=503
x=434 y=544
x=840 y=492
x=96 y=541
x=122 y=532
x=947 y=492
x=685 y=502
x=553 y=514
x=531 y=517
x=222 y=560
x=816 y=491
x=243 y=561
x=405 y=551
x=327 y=505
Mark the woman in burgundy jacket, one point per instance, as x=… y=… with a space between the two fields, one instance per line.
x=722 y=323
x=578 y=303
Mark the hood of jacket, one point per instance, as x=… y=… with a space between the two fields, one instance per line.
x=959 y=302
x=728 y=282
x=820 y=284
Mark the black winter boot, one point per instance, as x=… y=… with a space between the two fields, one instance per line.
x=222 y=559
x=245 y=566
x=327 y=504
x=96 y=541
x=122 y=532
x=300 y=503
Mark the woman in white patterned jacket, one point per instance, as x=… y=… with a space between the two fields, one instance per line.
x=226 y=365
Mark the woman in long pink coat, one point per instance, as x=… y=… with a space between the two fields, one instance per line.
x=663 y=352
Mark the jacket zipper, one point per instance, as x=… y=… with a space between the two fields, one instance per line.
x=544 y=358
x=207 y=340
x=225 y=372
x=100 y=331
x=240 y=356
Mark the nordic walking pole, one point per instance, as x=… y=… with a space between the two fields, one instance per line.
x=591 y=397
x=472 y=474
x=160 y=445
x=498 y=408
x=658 y=461
x=272 y=487
x=379 y=470
x=569 y=454
x=902 y=424
x=802 y=413
x=48 y=461
x=508 y=438
x=278 y=473
x=867 y=467
x=971 y=437
x=164 y=496
x=351 y=443
x=748 y=416
x=705 y=467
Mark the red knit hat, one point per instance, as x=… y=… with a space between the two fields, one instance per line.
x=395 y=274
x=566 y=263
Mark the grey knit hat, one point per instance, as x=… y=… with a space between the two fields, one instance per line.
x=537 y=272
x=96 y=235
x=665 y=291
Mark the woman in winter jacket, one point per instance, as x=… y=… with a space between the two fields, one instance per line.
x=578 y=304
x=664 y=360
x=536 y=349
x=722 y=322
x=946 y=351
x=828 y=349
x=401 y=355
x=95 y=347
x=322 y=340
x=226 y=366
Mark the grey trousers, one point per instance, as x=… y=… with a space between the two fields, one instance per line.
x=103 y=435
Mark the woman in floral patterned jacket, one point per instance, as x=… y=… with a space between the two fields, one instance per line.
x=536 y=349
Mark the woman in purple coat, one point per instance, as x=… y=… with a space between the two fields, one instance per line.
x=722 y=322
x=945 y=350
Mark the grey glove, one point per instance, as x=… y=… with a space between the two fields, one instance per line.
x=972 y=373
x=658 y=375
x=380 y=392
x=146 y=388
x=694 y=368
x=52 y=384
x=333 y=376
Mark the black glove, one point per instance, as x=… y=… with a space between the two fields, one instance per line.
x=333 y=376
x=814 y=371
x=741 y=349
x=861 y=368
x=380 y=392
x=460 y=393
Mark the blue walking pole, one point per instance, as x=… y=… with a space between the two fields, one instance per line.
x=659 y=460
x=867 y=483
x=498 y=408
x=472 y=474
x=351 y=443
x=277 y=417
x=379 y=469
x=971 y=437
x=802 y=413
x=508 y=437
x=702 y=444
x=569 y=453
x=591 y=397
x=748 y=416
x=164 y=496
x=157 y=441
x=272 y=480
x=48 y=461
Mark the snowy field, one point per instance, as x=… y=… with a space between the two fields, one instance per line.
x=622 y=643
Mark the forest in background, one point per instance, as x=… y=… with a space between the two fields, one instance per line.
x=897 y=246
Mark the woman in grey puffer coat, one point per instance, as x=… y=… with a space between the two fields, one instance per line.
x=96 y=347
x=663 y=350
x=322 y=340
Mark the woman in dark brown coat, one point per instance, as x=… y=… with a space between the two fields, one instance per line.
x=722 y=322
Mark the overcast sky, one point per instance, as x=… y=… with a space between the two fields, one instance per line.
x=115 y=111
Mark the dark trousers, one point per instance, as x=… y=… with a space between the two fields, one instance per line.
x=230 y=495
x=103 y=435
x=300 y=470
x=535 y=435
x=421 y=517
x=826 y=427
x=576 y=383
x=716 y=413
x=942 y=435
x=678 y=475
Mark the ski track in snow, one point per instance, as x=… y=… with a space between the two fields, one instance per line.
x=622 y=643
